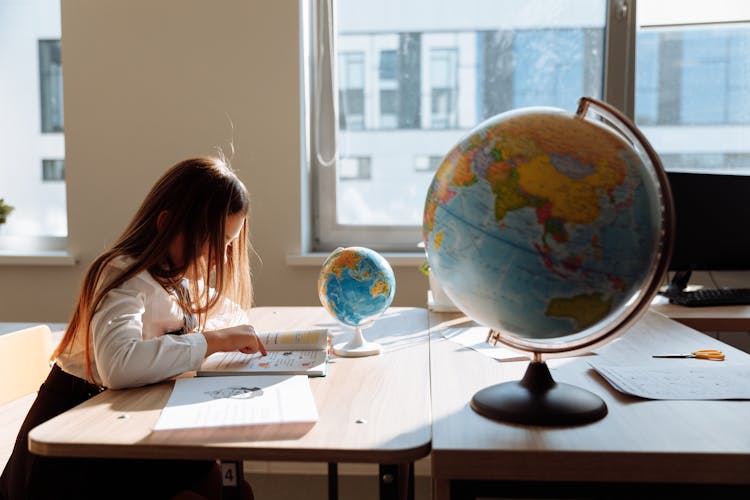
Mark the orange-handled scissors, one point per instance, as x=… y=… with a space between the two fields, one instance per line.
x=712 y=354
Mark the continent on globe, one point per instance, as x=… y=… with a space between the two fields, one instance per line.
x=585 y=310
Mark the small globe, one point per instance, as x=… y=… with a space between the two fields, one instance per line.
x=355 y=285
x=549 y=227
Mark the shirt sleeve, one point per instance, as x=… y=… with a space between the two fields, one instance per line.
x=124 y=358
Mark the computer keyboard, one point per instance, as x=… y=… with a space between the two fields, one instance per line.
x=704 y=297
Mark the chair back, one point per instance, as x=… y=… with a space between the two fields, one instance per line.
x=24 y=361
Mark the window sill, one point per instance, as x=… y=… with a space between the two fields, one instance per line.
x=316 y=259
x=42 y=258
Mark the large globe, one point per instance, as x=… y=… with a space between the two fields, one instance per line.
x=549 y=227
x=355 y=285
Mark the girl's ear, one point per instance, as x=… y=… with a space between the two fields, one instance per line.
x=161 y=220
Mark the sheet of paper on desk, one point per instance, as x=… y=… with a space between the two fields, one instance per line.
x=246 y=400
x=683 y=381
x=475 y=337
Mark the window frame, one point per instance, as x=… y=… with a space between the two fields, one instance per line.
x=37 y=27
x=319 y=77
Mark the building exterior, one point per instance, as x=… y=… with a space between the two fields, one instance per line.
x=412 y=85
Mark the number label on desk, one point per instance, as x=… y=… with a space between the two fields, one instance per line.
x=229 y=474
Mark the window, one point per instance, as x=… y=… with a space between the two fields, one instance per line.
x=427 y=163
x=434 y=77
x=354 y=168
x=31 y=126
x=388 y=89
x=693 y=83
x=443 y=87
x=352 y=91
x=53 y=170
x=50 y=79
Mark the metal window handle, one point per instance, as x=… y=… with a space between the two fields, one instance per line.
x=621 y=10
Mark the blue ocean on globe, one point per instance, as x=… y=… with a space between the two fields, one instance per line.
x=355 y=285
x=541 y=224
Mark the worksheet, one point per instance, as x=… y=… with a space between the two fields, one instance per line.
x=709 y=380
x=238 y=401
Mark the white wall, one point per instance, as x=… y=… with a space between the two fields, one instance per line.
x=150 y=83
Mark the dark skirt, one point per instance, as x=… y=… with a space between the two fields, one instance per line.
x=29 y=476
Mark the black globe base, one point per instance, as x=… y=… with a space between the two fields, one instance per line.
x=538 y=400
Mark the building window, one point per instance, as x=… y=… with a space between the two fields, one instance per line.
x=427 y=163
x=53 y=170
x=352 y=91
x=388 y=71
x=444 y=88
x=354 y=168
x=50 y=84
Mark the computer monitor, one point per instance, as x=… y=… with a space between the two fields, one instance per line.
x=712 y=224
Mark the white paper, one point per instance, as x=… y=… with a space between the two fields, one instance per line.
x=475 y=337
x=207 y=402
x=686 y=381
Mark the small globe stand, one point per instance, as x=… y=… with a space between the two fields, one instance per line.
x=356 y=285
x=358 y=346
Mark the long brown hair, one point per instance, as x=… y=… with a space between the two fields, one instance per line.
x=196 y=195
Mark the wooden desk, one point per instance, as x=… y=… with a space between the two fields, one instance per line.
x=706 y=319
x=373 y=409
x=641 y=449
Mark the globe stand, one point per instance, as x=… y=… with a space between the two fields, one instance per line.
x=357 y=346
x=538 y=400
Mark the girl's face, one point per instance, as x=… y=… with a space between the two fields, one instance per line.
x=232 y=227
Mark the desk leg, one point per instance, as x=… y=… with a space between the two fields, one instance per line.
x=333 y=481
x=397 y=481
x=232 y=475
x=441 y=489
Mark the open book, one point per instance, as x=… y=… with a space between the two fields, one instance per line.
x=295 y=352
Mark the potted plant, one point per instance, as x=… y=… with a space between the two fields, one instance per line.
x=5 y=210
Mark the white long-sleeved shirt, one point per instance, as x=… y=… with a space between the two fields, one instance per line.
x=130 y=341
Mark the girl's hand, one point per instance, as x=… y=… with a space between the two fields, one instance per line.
x=234 y=338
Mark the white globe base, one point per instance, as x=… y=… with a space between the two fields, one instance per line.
x=367 y=349
x=357 y=346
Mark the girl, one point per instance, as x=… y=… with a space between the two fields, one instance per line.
x=135 y=324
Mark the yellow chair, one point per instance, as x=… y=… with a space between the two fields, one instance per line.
x=24 y=364
x=24 y=361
